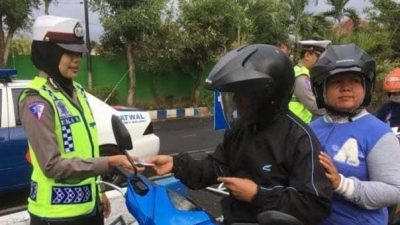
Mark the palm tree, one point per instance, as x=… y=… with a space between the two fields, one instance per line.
x=271 y=27
x=297 y=11
x=315 y=26
x=306 y=25
x=339 y=11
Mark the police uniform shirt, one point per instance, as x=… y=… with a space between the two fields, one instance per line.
x=39 y=128
x=303 y=92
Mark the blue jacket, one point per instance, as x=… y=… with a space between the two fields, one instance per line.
x=358 y=150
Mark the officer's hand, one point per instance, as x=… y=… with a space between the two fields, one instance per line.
x=122 y=160
x=162 y=164
x=241 y=188
x=106 y=205
x=330 y=170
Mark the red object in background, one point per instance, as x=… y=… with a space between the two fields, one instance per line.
x=392 y=81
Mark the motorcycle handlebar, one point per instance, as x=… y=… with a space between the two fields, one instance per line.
x=123 y=171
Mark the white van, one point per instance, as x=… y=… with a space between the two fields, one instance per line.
x=15 y=171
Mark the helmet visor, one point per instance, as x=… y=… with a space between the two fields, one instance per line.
x=237 y=108
x=229 y=108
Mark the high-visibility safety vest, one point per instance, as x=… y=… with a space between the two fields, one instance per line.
x=295 y=105
x=76 y=133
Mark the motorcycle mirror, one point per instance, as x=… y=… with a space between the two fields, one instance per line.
x=121 y=134
x=273 y=217
x=123 y=139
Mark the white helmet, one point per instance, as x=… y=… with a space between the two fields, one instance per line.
x=63 y=31
x=319 y=45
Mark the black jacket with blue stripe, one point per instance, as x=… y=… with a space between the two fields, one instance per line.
x=280 y=156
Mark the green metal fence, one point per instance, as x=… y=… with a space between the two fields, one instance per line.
x=107 y=71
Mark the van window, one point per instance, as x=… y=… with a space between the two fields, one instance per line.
x=15 y=95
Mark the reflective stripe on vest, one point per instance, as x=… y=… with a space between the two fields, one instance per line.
x=295 y=105
x=76 y=135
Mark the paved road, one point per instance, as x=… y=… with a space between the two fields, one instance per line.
x=195 y=135
x=187 y=135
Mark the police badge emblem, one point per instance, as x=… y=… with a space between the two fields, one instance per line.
x=78 y=31
x=62 y=110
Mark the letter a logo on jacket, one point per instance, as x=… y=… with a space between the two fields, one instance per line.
x=348 y=153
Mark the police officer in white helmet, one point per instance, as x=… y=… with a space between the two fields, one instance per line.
x=61 y=131
x=303 y=102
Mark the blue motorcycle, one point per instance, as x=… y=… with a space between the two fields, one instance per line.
x=153 y=204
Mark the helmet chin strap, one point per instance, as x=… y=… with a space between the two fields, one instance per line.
x=337 y=113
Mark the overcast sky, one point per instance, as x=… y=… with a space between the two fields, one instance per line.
x=74 y=8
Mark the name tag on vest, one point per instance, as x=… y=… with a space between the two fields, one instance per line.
x=70 y=120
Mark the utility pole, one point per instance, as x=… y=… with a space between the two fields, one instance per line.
x=88 y=56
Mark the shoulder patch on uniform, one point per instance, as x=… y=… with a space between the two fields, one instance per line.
x=37 y=109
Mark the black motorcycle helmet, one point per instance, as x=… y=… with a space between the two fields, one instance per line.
x=338 y=59
x=260 y=71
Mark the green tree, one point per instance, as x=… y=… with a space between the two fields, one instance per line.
x=296 y=9
x=270 y=21
x=306 y=25
x=314 y=27
x=14 y=15
x=21 y=46
x=206 y=32
x=371 y=39
x=384 y=34
x=339 y=11
x=126 y=25
x=386 y=13
x=159 y=50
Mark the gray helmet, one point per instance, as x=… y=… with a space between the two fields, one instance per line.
x=262 y=71
x=338 y=59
